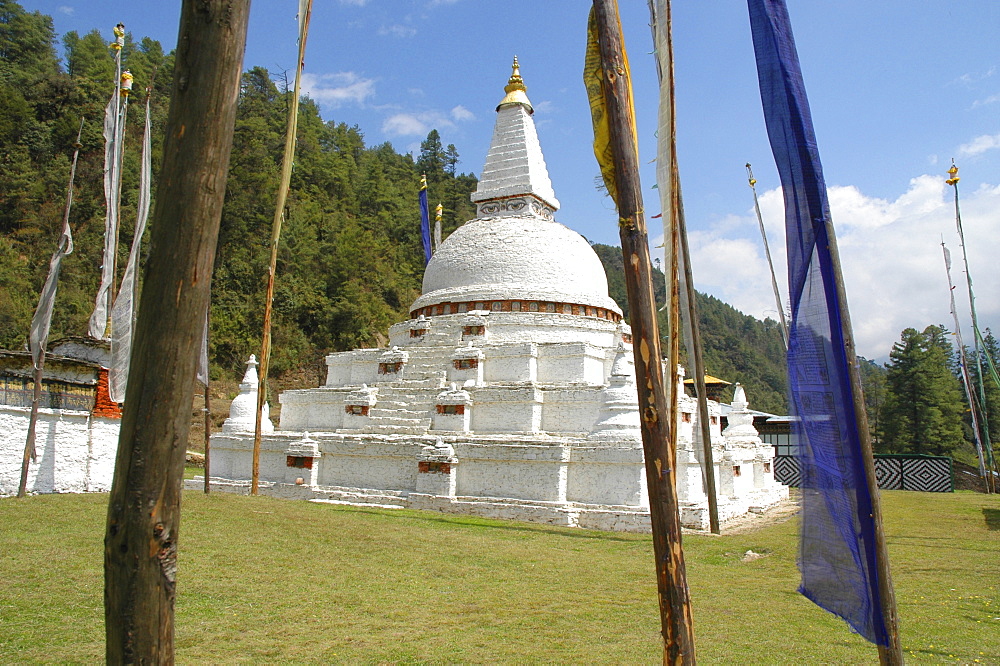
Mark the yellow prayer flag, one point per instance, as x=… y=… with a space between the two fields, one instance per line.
x=593 y=78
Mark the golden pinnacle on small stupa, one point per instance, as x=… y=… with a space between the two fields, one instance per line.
x=516 y=90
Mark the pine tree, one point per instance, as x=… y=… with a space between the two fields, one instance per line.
x=873 y=383
x=432 y=158
x=991 y=351
x=923 y=406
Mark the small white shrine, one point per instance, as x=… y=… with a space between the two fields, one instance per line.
x=509 y=393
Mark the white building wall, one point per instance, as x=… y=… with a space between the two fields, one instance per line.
x=506 y=409
x=369 y=464
x=75 y=452
x=518 y=472
x=312 y=409
x=570 y=410
x=606 y=476
x=571 y=363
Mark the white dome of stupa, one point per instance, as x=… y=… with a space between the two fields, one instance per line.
x=523 y=258
x=513 y=252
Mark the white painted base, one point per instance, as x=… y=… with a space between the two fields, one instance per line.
x=75 y=451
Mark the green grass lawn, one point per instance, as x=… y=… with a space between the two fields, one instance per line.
x=265 y=581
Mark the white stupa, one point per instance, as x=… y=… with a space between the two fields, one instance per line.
x=510 y=392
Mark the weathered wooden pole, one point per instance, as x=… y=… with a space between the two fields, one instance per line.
x=690 y=304
x=279 y=215
x=40 y=322
x=657 y=423
x=140 y=545
x=767 y=253
x=891 y=654
x=678 y=254
x=208 y=440
x=208 y=408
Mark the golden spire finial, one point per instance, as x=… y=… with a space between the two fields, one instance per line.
x=515 y=82
x=515 y=90
x=953 y=172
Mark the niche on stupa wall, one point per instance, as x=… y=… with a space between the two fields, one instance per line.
x=302 y=461
x=466 y=366
x=391 y=364
x=357 y=407
x=452 y=410
x=419 y=328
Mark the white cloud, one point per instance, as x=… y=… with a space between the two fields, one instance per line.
x=397 y=30
x=411 y=124
x=460 y=113
x=970 y=78
x=65 y=9
x=545 y=106
x=980 y=145
x=404 y=124
x=890 y=252
x=335 y=90
x=992 y=99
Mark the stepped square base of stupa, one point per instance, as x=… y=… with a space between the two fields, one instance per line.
x=538 y=482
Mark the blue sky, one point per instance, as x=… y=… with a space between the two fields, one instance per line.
x=897 y=90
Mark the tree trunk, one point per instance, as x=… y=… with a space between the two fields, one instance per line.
x=140 y=546
x=658 y=424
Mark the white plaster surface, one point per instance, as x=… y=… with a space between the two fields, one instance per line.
x=515 y=164
x=496 y=257
x=75 y=451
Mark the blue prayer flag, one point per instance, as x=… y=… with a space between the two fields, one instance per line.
x=425 y=220
x=837 y=556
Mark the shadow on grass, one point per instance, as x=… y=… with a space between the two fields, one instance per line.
x=992 y=517
x=464 y=521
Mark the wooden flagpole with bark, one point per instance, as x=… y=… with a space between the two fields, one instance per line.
x=675 y=228
x=279 y=216
x=657 y=421
x=140 y=545
x=44 y=310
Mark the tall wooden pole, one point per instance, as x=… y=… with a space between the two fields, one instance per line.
x=679 y=258
x=208 y=409
x=39 y=363
x=208 y=440
x=891 y=654
x=279 y=215
x=984 y=434
x=657 y=422
x=140 y=545
x=694 y=333
x=767 y=253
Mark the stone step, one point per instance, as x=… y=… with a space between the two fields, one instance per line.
x=395 y=420
x=434 y=382
x=369 y=492
x=373 y=505
x=387 y=499
x=396 y=412
x=408 y=392
x=398 y=430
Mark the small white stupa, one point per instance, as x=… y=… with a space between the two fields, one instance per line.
x=243 y=410
x=510 y=392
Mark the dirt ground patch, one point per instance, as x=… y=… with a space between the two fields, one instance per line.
x=785 y=510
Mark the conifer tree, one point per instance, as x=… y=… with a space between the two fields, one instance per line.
x=923 y=406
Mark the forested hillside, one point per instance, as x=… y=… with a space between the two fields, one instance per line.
x=736 y=347
x=350 y=261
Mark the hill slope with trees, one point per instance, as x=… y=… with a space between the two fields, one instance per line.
x=736 y=347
